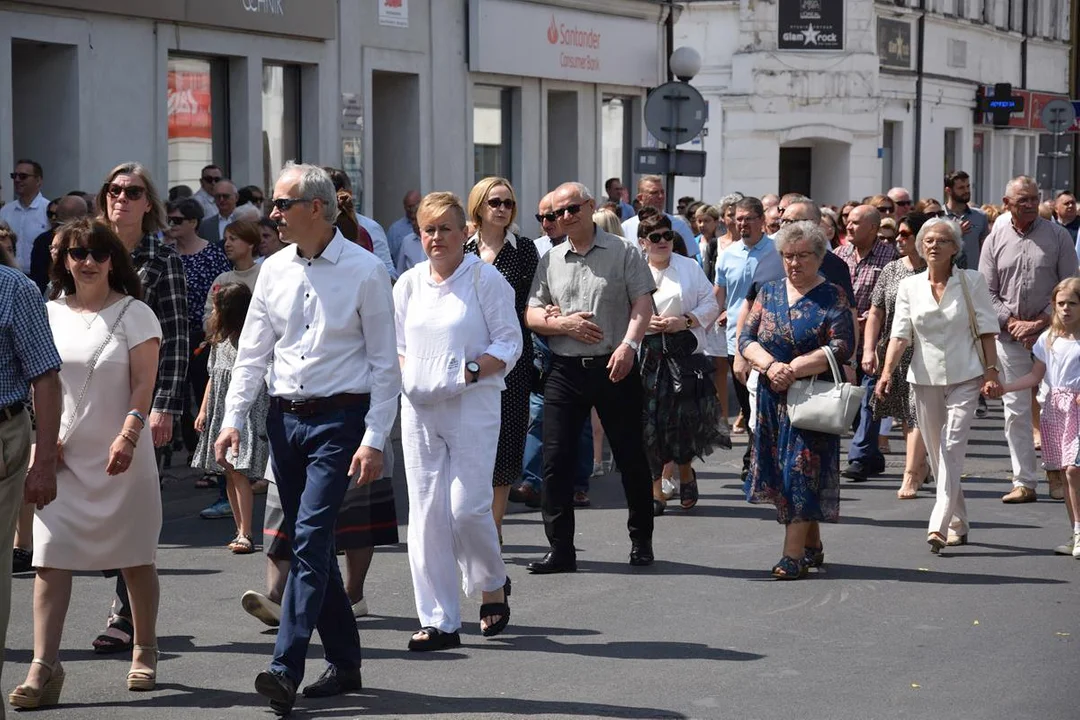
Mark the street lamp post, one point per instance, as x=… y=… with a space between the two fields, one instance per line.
x=684 y=64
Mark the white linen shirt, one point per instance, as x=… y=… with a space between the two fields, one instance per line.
x=459 y=319
x=328 y=324
x=27 y=223
x=945 y=352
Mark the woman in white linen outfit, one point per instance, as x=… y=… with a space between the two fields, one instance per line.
x=458 y=336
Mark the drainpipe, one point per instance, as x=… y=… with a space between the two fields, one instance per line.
x=920 y=34
x=1024 y=46
x=669 y=41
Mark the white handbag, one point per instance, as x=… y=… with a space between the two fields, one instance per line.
x=823 y=407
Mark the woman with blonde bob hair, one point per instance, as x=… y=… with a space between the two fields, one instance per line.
x=458 y=338
x=608 y=222
x=493 y=209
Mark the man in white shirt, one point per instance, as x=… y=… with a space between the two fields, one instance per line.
x=323 y=313
x=209 y=177
x=405 y=224
x=651 y=193
x=212 y=229
x=26 y=216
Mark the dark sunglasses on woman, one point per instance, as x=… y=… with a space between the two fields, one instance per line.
x=132 y=192
x=78 y=254
x=494 y=203
x=659 y=237
x=174 y=221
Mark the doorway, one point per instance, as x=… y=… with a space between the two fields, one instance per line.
x=562 y=137
x=796 y=170
x=395 y=142
x=45 y=110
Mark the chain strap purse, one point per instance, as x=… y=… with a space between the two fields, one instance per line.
x=815 y=405
x=972 y=322
x=69 y=424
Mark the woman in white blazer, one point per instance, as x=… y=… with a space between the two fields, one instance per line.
x=948 y=316
x=682 y=415
x=458 y=336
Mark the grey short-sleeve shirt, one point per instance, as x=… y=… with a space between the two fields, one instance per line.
x=604 y=281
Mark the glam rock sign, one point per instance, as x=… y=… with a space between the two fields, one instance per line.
x=810 y=25
x=523 y=38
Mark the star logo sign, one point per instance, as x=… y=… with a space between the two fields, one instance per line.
x=810 y=35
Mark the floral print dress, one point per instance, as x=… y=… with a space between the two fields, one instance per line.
x=796 y=470
x=900 y=402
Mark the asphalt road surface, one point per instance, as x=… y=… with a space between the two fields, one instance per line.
x=884 y=630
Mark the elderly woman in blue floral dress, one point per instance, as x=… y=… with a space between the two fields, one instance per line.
x=790 y=321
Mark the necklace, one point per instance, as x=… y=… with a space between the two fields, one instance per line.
x=96 y=314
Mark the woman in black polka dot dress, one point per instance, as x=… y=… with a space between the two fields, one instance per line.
x=493 y=208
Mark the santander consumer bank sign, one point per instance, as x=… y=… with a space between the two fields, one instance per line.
x=512 y=37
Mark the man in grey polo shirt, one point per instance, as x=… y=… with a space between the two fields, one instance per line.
x=973 y=222
x=592 y=298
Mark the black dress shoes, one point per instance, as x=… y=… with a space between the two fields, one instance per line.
x=335 y=681
x=279 y=689
x=553 y=562
x=641 y=553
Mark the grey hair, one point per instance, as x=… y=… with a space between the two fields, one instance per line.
x=729 y=201
x=802 y=230
x=580 y=188
x=949 y=224
x=314 y=183
x=812 y=210
x=1018 y=182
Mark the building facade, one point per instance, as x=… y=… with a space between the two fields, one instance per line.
x=844 y=99
x=403 y=94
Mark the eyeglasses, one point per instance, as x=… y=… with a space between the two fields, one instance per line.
x=285 y=204
x=211 y=178
x=800 y=256
x=78 y=254
x=549 y=217
x=658 y=237
x=174 y=221
x=572 y=209
x=903 y=202
x=885 y=237
x=1026 y=200
x=494 y=203
x=905 y=234
x=931 y=242
x=131 y=192
x=746 y=219
x=22 y=176
x=223 y=196
x=887 y=209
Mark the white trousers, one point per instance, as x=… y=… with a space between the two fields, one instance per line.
x=945 y=414
x=1016 y=362
x=449 y=455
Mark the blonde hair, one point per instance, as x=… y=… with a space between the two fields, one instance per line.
x=479 y=195
x=608 y=222
x=155 y=219
x=437 y=204
x=710 y=210
x=1057 y=328
x=992 y=212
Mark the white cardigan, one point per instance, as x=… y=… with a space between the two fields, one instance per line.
x=696 y=295
x=945 y=352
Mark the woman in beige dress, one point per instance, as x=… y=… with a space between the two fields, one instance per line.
x=107 y=512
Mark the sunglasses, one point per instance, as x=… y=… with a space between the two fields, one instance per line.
x=572 y=209
x=659 y=237
x=78 y=254
x=887 y=209
x=905 y=234
x=22 y=176
x=285 y=204
x=549 y=217
x=174 y=221
x=257 y=199
x=131 y=192
x=494 y=203
x=210 y=178
x=903 y=202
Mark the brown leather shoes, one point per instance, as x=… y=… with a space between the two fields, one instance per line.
x=1019 y=494
x=1056 y=480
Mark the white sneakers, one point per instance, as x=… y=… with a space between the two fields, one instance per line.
x=1072 y=547
x=360 y=608
x=259 y=606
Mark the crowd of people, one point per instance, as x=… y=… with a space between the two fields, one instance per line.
x=278 y=334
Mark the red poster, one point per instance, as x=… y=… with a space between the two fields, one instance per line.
x=189 y=105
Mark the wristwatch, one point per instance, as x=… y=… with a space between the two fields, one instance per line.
x=634 y=345
x=995 y=368
x=473 y=368
x=689 y=321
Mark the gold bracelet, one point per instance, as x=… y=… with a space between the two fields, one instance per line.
x=125 y=434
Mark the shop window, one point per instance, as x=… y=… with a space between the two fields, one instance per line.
x=280 y=119
x=198 y=112
x=493 y=127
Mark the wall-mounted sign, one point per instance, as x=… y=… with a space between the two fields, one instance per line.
x=894 y=43
x=810 y=25
x=511 y=37
x=394 y=13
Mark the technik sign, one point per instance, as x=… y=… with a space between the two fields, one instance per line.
x=810 y=25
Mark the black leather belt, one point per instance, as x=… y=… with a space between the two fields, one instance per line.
x=587 y=362
x=318 y=406
x=11 y=411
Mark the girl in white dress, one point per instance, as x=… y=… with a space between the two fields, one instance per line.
x=107 y=511
x=1057 y=360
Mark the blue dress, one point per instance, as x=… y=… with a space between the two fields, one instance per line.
x=796 y=470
